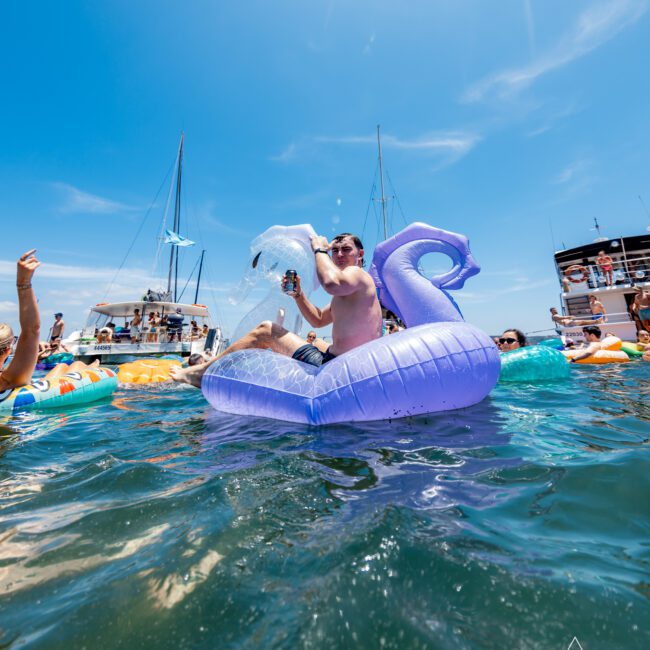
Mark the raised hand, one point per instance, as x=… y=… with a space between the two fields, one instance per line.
x=27 y=264
x=318 y=241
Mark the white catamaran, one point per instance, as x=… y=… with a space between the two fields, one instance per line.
x=167 y=327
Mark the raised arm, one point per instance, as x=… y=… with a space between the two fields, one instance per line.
x=20 y=370
x=336 y=281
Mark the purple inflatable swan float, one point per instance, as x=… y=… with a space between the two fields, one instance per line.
x=438 y=363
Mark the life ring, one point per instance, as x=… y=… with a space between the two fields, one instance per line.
x=610 y=352
x=584 y=273
x=532 y=364
x=439 y=363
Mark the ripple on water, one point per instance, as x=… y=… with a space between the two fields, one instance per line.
x=150 y=520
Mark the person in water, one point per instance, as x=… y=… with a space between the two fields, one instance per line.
x=19 y=372
x=512 y=339
x=354 y=312
x=592 y=336
x=643 y=341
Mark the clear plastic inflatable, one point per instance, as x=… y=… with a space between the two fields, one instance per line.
x=437 y=364
x=532 y=364
x=274 y=252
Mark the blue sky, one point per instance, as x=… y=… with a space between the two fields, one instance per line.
x=499 y=120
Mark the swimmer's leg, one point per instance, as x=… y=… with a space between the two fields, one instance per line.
x=266 y=335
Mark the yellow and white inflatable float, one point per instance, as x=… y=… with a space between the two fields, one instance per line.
x=610 y=352
x=146 y=371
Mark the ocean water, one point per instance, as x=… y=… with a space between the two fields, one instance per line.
x=152 y=521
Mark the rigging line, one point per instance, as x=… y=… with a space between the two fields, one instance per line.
x=399 y=205
x=163 y=222
x=370 y=200
x=189 y=277
x=137 y=234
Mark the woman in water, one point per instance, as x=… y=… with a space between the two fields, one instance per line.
x=512 y=339
x=19 y=372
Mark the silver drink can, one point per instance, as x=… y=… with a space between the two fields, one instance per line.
x=290 y=283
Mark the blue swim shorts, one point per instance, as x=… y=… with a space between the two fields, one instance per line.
x=311 y=354
x=644 y=314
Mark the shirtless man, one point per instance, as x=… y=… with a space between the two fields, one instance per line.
x=592 y=335
x=641 y=306
x=136 y=323
x=561 y=321
x=605 y=264
x=57 y=328
x=354 y=313
x=598 y=313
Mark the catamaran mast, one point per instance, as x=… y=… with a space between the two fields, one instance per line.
x=198 y=280
x=381 y=181
x=173 y=256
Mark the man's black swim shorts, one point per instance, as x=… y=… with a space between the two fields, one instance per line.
x=311 y=354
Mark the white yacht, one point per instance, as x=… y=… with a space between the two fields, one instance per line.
x=174 y=328
x=580 y=277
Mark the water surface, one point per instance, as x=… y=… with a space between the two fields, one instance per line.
x=152 y=521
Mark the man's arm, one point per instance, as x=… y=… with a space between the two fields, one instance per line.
x=591 y=349
x=337 y=282
x=21 y=368
x=315 y=316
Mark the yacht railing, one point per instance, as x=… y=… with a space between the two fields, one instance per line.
x=625 y=271
x=587 y=318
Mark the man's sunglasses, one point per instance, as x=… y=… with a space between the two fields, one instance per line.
x=508 y=340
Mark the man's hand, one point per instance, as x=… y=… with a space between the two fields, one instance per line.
x=298 y=289
x=27 y=264
x=318 y=241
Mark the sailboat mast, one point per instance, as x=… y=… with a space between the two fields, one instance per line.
x=198 y=280
x=173 y=255
x=381 y=181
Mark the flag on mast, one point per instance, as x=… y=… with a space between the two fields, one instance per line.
x=175 y=239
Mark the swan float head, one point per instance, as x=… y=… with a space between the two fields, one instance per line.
x=402 y=287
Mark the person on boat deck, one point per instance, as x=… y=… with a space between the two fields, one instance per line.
x=105 y=335
x=354 y=312
x=175 y=325
x=58 y=327
x=562 y=321
x=512 y=339
x=592 y=336
x=605 y=264
x=152 y=326
x=205 y=330
x=136 y=323
x=598 y=313
x=641 y=307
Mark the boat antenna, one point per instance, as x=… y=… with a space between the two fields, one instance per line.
x=645 y=207
x=381 y=182
x=173 y=256
x=597 y=227
x=198 y=279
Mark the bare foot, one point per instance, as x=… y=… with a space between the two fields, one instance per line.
x=94 y=364
x=191 y=375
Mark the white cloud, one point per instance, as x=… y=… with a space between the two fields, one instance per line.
x=457 y=142
x=287 y=155
x=8 y=307
x=78 y=201
x=594 y=27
